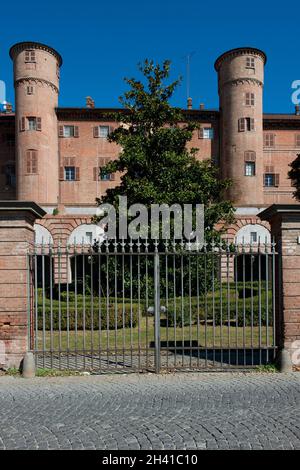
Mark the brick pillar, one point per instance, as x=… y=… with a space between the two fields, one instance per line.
x=16 y=235
x=285 y=228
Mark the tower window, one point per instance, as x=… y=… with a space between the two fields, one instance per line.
x=30 y=56
x=253 y=237
x=250 y=156
x=250 y=169
x=246 y=124
x=31 y=162
x=269 y=140
x=249 y=99
x=250 y=62
x=30 y=90
x=34 y=123
x=206 y=133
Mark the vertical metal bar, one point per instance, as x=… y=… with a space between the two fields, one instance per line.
x=205 y=303
x=131 y=310
x=29 y=319
x=116 y=301
x=236 y=277
x=107 y=307
x=83 y=305
x=190 y=307
x=123 y=303
x=259 y=303
x=182 y=307
x=244 y=303
x=147 y=304
x=213 y=305
x=267 y=301
x=59 y=303
x=139 y=304
x=43 y=301
x=68 y=309
x=99 y=311
x=198 y=309
x=220 y=256
x=92 y=310
x=251 y=301
x=36 y=301
x=76 y=303
x=175 y=306
x=167 y=303
x=157 y=311
x=228 y=302
x=51 y=305
x=273 y=294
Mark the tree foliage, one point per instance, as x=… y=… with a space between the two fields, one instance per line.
x=155 y=162
x=294 y=175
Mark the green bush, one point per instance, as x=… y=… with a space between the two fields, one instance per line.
x=113 y=317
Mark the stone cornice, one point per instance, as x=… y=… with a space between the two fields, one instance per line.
x=21 y=46
x=242 y=81
x=36 y=80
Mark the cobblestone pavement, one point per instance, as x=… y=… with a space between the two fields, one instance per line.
x=182 y=411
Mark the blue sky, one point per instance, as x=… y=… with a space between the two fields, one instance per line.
x=101 y=42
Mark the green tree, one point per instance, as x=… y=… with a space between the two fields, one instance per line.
x=155 y=163
x=294 y=175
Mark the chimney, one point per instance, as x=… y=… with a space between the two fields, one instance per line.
x=201 y=106
x=189 y=103
x=297 y=110
x=8 y=108
x=90 y=103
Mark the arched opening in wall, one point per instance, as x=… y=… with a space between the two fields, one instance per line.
x=86 y=234
x=43 y=268
x=254 y=266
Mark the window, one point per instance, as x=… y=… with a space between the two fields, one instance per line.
x=250 y=62
x=249 y=99
x=30 y=56
x=31 y=162
x=271 y=179
x=101 y=175
x=10 y=174
x=30 y=90
x=269 y=140
x=253 y=237
x=206 y=133
x=246 y=124
x=297 y=140
x=89 y=237
x=250 y=169
x=250 y=156
x=70 y=173
x=31 y=123
x=101 y=131
x=68 y=131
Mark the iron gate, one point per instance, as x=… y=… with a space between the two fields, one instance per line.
x=136 y=307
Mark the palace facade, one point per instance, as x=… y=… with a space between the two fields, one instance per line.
x=53 y=155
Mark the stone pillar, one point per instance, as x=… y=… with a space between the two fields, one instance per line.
x=285 y=228
x=16 y=235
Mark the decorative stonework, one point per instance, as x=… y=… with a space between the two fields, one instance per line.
x=35 y=80
x=243 y=80
x=238 y=52
x=21 y=46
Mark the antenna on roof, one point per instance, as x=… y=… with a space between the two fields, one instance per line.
x=188 y=72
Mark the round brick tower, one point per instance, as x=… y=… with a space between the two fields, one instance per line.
x=36 y=81
x=240 y=86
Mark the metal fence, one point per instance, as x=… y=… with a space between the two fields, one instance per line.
x=136 y=307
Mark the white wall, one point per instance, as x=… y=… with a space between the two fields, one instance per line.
x=79 y=234
x=244 y=234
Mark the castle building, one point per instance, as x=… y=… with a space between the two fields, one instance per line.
x=53 y=155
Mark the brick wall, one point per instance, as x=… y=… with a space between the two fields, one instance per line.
x=16 y=235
